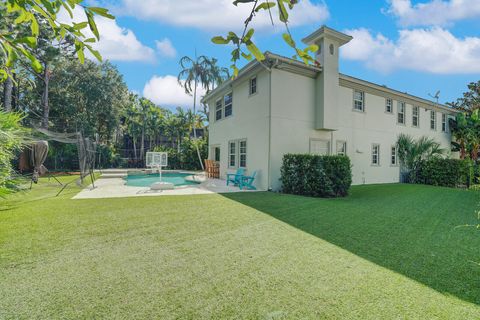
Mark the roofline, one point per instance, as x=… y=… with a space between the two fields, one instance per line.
x=275 y=59
x=396 y=92
x=326 y=31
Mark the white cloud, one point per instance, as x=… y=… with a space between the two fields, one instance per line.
x=165 y=48
x=116 y=43
x=165 y=91
x=217 y=15
x=433 y=50
x=433 y=12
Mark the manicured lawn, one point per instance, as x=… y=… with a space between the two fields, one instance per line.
x=387 y=251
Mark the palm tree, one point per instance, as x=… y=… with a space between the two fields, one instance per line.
x=411 y=151
x=195 y=73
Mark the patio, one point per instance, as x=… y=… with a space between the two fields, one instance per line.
x=112 y=185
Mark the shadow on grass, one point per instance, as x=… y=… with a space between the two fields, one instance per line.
x=410 y=229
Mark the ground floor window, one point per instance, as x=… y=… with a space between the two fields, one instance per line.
x=375 y=154
x=393 y=160
x=243 y=153
x=216 y=154
x=232 y=154
x=342 y=148
x=321 y=147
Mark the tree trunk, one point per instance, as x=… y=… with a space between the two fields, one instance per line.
x=142 y=145
x=194 y=125
x=46 y=107
x=7 y=92
x=135 y=149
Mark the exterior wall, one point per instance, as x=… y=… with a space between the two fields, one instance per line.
x=293 y=119
x=249 y=121
x=362 y=129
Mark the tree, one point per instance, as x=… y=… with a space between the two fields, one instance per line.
x=466 y=131
x=244 y=45
x=470 y=100
x=411 y=151
x=15 y=44
x=195 y=73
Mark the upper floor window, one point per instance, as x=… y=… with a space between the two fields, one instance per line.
x=433 y=120
x=321 y=147
x=415 y=116
x=401 y=113
x=359 y=100
x=375 y=154
x=218 y=109
x=228 y=103
x=388 y=105
x=342 y=148
x=253 y=85
x=444 y=122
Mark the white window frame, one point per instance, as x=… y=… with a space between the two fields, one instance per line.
x=343 y=145
x=444 y=122
x=225 y=105
x=393 y=156
x=389 y=103
x=375 y=152
x=416 y=115
x=250 y=86
x=240 y=153
x=433 y=120
x=234 y=154
x=217 y=109
x=401 y=106
x=320 y=140
x=361 y=102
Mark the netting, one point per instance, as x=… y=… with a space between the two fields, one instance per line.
x=87 y=149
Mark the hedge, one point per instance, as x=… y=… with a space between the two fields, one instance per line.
x=445 y=172
x=315 y=175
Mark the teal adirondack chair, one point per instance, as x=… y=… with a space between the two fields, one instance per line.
x=235 y=178
x=247 y=181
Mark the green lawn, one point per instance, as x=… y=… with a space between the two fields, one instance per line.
x=387 y=251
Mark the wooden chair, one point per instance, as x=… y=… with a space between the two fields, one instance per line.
x=209 y=168
x=215 y=170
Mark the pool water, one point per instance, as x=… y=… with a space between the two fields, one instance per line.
x=146 y=180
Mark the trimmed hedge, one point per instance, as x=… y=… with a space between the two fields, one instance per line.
x=316 y=176
x=445 y=172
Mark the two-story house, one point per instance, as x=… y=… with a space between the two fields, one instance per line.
x=284 y=106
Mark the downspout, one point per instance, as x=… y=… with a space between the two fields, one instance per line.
x=269 y=175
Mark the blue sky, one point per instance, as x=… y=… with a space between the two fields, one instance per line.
x=414 y=46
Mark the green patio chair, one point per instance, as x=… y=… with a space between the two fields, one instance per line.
x=235 y=178
x=247 y=182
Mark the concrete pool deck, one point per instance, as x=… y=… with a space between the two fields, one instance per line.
x=115 y=187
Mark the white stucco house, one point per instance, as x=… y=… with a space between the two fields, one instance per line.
x=283 y=106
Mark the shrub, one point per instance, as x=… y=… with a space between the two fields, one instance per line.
x=445 y=172
x=187 y=158
x=316 y=176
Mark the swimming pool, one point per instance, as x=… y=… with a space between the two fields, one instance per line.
x=146 y=180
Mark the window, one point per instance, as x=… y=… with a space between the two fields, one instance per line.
x=433 y=120
x=218 y=109
x=375 y=154
x=242 y=153
x=359 y=100
x=415 y=116
x=228 y=102
x=253 y=85
x=232 y=154
x=342 y=148
x=401 y=113
x=216 y=154
x=321 y=147
x=388 y=105
x=393 y=159
x=444 y=122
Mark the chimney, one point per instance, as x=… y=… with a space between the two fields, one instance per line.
x=327 y=83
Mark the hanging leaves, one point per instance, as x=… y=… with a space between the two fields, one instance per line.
x=245 y=46
x=23 y=12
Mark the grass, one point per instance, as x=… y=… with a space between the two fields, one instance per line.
x=386 y=251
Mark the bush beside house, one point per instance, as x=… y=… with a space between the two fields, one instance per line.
x=445 y=172
x=315 y=175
